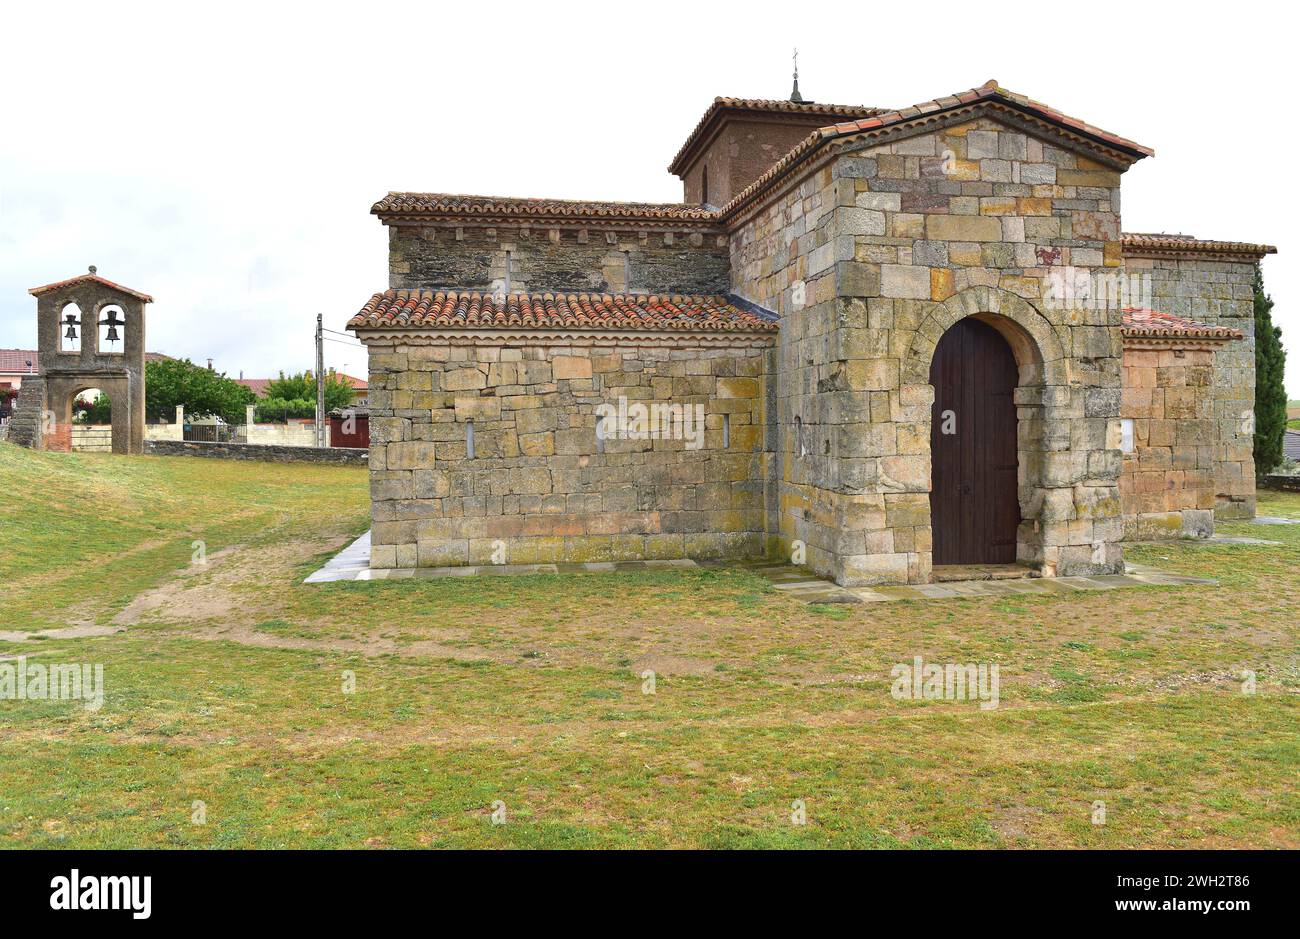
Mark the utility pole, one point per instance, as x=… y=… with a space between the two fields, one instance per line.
x=320 y=384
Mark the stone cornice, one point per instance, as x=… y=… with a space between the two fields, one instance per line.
x=1156 y=343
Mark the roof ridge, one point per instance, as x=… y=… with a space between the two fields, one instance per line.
x=450 y=203
x=989 y=91
x=1180 y=242
x=784 y=106
x=91 y=276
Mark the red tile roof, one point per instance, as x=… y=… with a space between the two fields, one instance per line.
x=456 y=205
x=14 y=360
x=721 y=105
x=1143 y=323
x=474 y=310
x=989 y=92
x=1137 y=244
x=93 y=278
x=256 y=385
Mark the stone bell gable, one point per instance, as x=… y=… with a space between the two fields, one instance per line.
x=820 y=304
x=90 y=334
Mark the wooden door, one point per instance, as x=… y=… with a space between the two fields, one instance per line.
x=974 y=511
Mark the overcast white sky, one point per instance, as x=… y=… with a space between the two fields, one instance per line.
x=224 y=158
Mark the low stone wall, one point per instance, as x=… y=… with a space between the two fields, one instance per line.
x=164 y=431
x=282 y=435
x=253 y=451
x=1281 y=482
x=92 y=438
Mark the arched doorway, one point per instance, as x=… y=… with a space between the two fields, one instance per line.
x=974 y=506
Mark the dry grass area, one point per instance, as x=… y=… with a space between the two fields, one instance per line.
x=397 y=713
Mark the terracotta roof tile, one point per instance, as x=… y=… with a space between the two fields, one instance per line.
x=94 y=278
x=476 y=310
x=397 y=204
x=256 y=385
x=15 y=360
x=763 y=106
x=1143 y=323
x=1136 y=243
x=989 y=91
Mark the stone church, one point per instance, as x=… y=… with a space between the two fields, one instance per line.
x=889 y=344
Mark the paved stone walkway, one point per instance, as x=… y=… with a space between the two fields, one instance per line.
x=352 y=563
x=804 y=585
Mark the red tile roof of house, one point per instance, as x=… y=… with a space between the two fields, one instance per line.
x=358 y=384
x=94 y=278
x=1165 y=245
x=1143 y=323
x=458 y=205
x=14 y=360
x=475 y=310
x=256 y=385
x=722 y=105
x=990 y=92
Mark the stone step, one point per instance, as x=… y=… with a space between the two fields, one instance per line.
x=944 y=573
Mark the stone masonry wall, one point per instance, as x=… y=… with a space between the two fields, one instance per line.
x=556 y=260
x=970 y=220
x=785 y=260
x=741 y=152
x=1167 y=488
x=539 y=487
x=1218 y=292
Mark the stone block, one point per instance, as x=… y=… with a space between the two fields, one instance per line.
x=905 y=281
x=566 y=366
x=962 y=228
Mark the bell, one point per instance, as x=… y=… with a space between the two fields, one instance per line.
x=71 y=333
x=112 y=334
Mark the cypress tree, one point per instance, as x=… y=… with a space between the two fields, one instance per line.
x=1270 y=392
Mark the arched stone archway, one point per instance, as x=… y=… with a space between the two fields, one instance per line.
x=1066 y=446
x=44 y=420
x=61 y=393
x=1036 y=342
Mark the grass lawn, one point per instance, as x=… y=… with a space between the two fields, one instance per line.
x=225 y=685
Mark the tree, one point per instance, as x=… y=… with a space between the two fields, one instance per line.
x=95 y=412
x=201 y=391
x=302 y=387
x=1270 y=392
x=275 y=410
